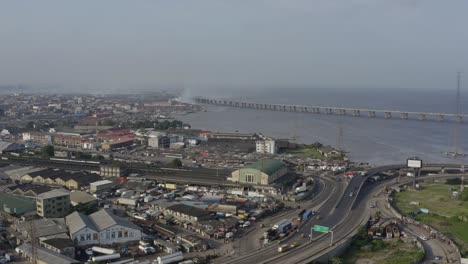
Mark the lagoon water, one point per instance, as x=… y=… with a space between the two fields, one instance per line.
x=377 y=141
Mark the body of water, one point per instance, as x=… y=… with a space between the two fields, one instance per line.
x=378 y=141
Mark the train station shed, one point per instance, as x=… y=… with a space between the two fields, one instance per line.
x=262 y=172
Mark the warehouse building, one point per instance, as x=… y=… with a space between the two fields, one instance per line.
x=101 y=186
x=262 y=172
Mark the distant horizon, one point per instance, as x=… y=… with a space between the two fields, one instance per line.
x=243 y=45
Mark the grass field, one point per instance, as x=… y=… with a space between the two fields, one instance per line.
x=443 y=214
x=382 y=252
x=306 y=153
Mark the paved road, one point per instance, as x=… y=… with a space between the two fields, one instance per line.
x=355 y=218
x=325 y=207
x=432 y=247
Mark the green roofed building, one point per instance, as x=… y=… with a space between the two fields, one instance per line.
x=12 y=204
x=262 y=172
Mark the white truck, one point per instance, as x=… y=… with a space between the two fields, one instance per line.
x=107 y=251
x=105 y=257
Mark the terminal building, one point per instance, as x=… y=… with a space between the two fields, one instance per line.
x=262 y=172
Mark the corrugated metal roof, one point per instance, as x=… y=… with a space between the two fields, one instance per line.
x=268 y=166
x=77 y=221
x=53 y=193
x=46 y=255
x=104 y=219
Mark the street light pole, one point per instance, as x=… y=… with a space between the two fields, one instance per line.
x=331 y=240
x=310 y=236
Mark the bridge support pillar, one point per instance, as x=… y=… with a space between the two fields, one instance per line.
x=356 y=112
x=422 y=117
x=388 y=115
x=404 y=116
x=371 y=114
x=460 y=119
x=441 y=118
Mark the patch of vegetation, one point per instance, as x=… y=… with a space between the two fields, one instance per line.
x=454 y=181
x=306 y=153
x=446 y=214
x=379 y=251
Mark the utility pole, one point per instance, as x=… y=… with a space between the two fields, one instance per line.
x=32 y=233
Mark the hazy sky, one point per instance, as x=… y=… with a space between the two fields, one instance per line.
x=103 y=45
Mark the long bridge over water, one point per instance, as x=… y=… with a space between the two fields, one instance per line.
x=342 y=111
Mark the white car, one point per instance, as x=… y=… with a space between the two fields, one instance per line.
x=423 y=238
x=89 y=251
x=246 y=224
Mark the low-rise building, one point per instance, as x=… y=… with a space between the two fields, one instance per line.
x=101 y=186
x=55 y=203
x=124 y=142
x=43 y=255
x=64 y=246
x=184 y=212
x=44 y=229
x=262 y=172
x=102 y=227
x=82 y=198
x=17 y=205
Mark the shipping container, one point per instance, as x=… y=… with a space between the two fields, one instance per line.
x=307 y=214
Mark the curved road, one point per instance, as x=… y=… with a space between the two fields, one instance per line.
x=324 y=203
x=349 y=213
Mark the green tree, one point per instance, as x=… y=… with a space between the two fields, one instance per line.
x=176 y=163
x=48 y=150
x=30 y=125
x=336 y=260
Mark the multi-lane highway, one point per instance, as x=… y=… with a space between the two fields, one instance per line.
x=325 y=198
x=345 y=214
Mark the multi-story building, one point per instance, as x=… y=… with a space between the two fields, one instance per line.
x=37 y=137
x=266 y=146
x=159 y=142
x=53 y=204
x=68 y=141
x=102 y=228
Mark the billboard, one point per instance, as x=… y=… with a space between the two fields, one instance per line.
x=413 y=163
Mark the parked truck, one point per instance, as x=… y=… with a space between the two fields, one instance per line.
x=105 y=257
x=107 y=251
x=127 y=194
x=283 y=225
x=172 y=258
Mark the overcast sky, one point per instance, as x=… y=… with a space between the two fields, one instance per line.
x=109 y=45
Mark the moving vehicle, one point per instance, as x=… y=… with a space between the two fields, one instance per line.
x=294 y=244
x=283 y=248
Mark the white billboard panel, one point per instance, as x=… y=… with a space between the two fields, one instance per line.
x=414 y=164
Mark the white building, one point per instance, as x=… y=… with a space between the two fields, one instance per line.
x=102 y=227
x=266 y=146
